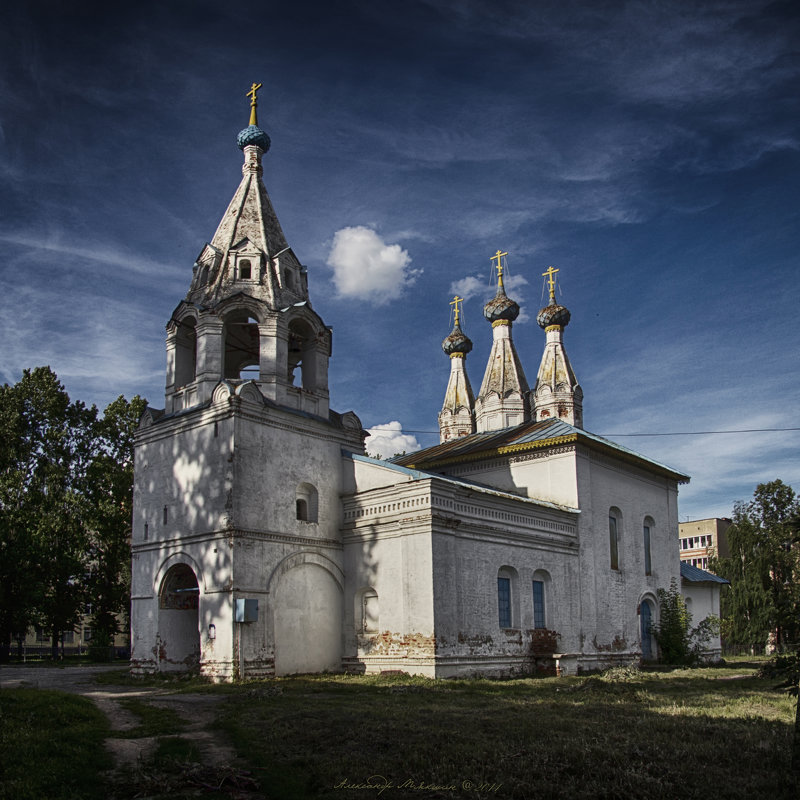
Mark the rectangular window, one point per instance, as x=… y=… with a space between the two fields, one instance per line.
x=612 y=540
x=504 y=601
x=538 y=604
x=68 y=637
x=647 y=564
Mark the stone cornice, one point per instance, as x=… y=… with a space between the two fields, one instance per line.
x=233 y=534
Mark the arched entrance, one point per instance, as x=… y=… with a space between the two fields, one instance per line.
x=308 y=621
x=178 y=626
x=646 y=615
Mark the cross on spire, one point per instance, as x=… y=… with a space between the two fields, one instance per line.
x=550 y=274
x=455 y=302
x=253 y=102
x=499 y=266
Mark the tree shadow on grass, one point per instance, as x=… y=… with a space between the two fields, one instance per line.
x=668 y=738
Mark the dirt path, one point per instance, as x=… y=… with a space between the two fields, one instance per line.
x=198 y=711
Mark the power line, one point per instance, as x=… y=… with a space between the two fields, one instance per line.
x=668 y=433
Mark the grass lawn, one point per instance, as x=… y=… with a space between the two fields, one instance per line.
x=681 y=734
x=51 y=746
x=718 y=732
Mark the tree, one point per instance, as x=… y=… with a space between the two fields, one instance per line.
x=66 y=480
x=47 y=446
x=763 y=601
x=111 y=496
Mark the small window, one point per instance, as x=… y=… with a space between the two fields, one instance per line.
x=87 y=634
x=146 y=531
x=306 y=503
x=245 y=270
x=538 y=605
x=68 y=637
x=504 y=601
x=166 y=515
x=613 y=539
x=648 y=566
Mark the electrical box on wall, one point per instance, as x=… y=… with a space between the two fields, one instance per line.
x=246 y=610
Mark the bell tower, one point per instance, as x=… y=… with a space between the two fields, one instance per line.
x=247 y=315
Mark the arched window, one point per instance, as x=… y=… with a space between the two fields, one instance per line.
x=288 y=280
x=242 y=346
x=245 y=269
x=541 y=586
x=185 y=352
x=306 y=503
x=647 y=529
x=646 y=611
x=614 y=535
x=302 y=354
x=507 y=599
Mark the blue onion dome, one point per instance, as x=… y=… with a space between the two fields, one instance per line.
x=553 y=314
x=457 y=341
x=501 y=307
x=253 y=135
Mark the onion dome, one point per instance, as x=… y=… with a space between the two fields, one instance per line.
x=501 y=306
x=457 y=341
x=253 y=135
x=553 y=314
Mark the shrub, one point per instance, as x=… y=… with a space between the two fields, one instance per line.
x=678 y=641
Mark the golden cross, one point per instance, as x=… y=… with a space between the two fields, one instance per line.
x=253 y=102
x=455 y=302
x=550 y=272
x=498 y=255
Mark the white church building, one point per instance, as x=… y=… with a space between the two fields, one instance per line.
x=266 y=543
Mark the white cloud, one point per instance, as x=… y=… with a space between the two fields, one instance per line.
x=387 y=439
x=366 y=267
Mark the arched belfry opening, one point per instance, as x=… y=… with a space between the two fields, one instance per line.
x=185 y=352
x=241 y=341
x=302 y=356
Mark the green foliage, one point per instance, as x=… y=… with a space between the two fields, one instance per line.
x=672 y=631
x=764 y=596
x=678 y=641
x=111 y=507
x=65 y=498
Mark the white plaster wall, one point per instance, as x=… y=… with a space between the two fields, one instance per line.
x=702 y=600
x=361 y=476
x=308 y=621
x=271 y=461
x=551 y=478
x=466 y=568
x=183 y=465
x=610 y=598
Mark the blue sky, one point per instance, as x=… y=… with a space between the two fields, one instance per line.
x=648 y=150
